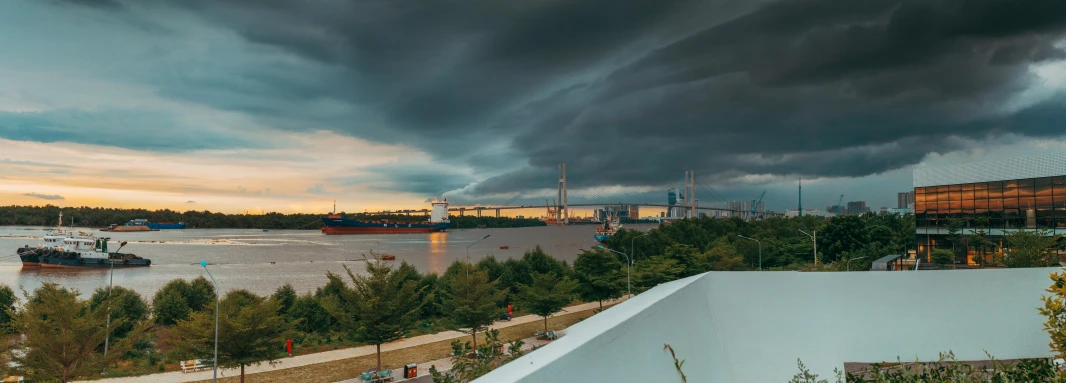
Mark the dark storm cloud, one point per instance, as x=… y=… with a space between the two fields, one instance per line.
x=634 y=92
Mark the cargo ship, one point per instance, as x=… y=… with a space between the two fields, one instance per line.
x=438 y=221
x=156 y=225
x=68 y=249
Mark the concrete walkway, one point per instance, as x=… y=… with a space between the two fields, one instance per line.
x=329 y=356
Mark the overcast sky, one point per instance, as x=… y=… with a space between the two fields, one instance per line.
x=285 y=105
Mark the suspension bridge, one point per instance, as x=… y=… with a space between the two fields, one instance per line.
x=558 y=208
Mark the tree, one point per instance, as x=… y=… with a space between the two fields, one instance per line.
x=7 y=307
x=843 y=234
x=599 y=276
x=723 y=257
x=170 y=306
x=285 y=296
x=1055 y=311
x=547 y=295
x=1029 y=249
x=200 y=294
x=655 y=270
x=471 y=300
x=979 y=242
x=955 y=237
x=249 y=332
x=64 y=336
x=127 y=308
x=943 y=257
x=309 y=316
x=379 y=307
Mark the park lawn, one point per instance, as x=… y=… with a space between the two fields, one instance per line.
x=351 y=368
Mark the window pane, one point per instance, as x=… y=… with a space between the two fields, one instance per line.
x=1060 y=193
x=942 y=206
x=966 y=187
x=995 y=193
x=1044 y=202
x=1025 y=188
x=995 y=185
x=942 y=188
x=980 y=194
x=967 y=195
x=995 y=205
x=1010 y=203
x=955 y=188
x=942 y=196
x=1010 y=192
x=955 y=205
x=967 y=204
x=954 y=196
x=980 y=204
x=1043 y=181
x=919 y=207
x=1043 y=190
x=919 y=198
x=1026 y=203
x=1060 y=180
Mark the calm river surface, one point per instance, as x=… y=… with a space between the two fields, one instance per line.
x=261 y=261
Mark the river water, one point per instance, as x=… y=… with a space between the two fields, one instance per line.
x=261 y=261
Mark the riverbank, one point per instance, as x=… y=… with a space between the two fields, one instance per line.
x=339 y=365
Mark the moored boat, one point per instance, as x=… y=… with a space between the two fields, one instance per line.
x=69 y=249
x=605 y=231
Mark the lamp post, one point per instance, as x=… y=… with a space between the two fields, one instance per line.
x=849 y=261
x=814 y=238
x=204 y=264
x=760 y=248
x=631 y=249
x=472 y=244
x=629 y=263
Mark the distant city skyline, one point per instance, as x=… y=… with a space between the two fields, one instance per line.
x=264 y=106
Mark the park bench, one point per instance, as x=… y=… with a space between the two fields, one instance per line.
x=194 y=365
x=13 y=379
x=374 y=376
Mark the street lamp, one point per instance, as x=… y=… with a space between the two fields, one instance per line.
x=629 y=263
x=204 y=264
x=472 y=244
x=849 y=261
x=814 y=238
x=760 y=248
x=631 y=250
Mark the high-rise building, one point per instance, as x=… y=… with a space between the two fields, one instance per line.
x=905 y=200
x=857 y=208
x=743 y=208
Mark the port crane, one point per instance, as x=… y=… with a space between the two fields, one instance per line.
x=755 y=204
x=840 y=202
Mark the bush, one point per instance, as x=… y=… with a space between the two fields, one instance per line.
x=7 y=306
x=311 y=316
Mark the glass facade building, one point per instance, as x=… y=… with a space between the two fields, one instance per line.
x=1026 y=193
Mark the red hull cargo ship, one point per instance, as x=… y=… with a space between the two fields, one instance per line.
x=438 y=221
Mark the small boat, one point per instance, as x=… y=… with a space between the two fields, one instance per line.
x=609 y=227
x=504 y=247
x=388 y=257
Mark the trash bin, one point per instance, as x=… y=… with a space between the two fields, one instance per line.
x=410 y=371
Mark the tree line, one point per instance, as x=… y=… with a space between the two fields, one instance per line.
x=102 y=217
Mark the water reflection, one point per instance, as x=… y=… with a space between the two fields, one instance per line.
x=438 y=246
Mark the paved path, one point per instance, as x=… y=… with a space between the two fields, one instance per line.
x=329 y=356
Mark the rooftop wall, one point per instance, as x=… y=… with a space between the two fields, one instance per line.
x=1046 y=165
x=752 y=326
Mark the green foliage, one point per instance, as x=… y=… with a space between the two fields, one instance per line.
x=547 y=294
x=285 y=296
x=1029 y=249
x=64 y=336
x=980 y=243
x=942 y=257
x=7 y=307
x=651 y=272
x=722 y=257
x=309 y=315
x=250 y=331
x=948 y=369
x=471 y=300
x=379 y=307
x=600 y=276
x=843 y=234
x=178 y=298
x=1054 y=311
x=955 y=236
x=487 y=358
x=128 y=308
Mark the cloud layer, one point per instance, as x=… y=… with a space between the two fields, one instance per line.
x=627 y=93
